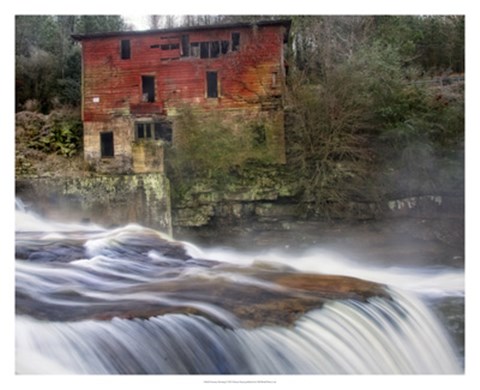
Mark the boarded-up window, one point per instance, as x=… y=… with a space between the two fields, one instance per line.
x=185 y=45
x=125 y=49
x=148 y=89
x=235 y=41
x=212 y=85
x=106 y=144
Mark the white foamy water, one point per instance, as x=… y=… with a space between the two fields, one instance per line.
x=398 y=337
x=435 y=281
x=69 y=274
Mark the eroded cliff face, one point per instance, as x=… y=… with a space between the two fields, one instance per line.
x=107 y=200
x=274 y=195
x=266 y=210
x=259 y=209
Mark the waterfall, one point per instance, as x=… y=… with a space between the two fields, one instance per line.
x=396 y=336
x=131 y=300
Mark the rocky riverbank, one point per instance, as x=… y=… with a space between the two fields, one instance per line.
x=258 y=210
x=107 y=200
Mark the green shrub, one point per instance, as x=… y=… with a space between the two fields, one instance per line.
x=60 y=132
x=207 y=145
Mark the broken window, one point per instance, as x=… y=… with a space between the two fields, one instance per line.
x=214 y=49
x=170 y=46
x=204 y=49
x=153 y=130
x=212 y=85
x=125 y=49
x=225 y=45
x=148 y=89
x=143 y=130
x=140 y=130
x=163 y=131
x=106 y=144
x=195 y=49
x=185 y=45
x=235 y=41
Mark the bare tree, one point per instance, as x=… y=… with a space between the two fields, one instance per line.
x=162 y=21
x=154 y=22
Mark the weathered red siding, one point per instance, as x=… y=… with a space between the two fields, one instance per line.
x=113 y=85
x=249 y=81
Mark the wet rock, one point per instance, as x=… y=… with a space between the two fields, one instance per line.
x=50 y=252
x=260 y=297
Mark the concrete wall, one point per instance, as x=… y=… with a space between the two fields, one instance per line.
x=122 y=128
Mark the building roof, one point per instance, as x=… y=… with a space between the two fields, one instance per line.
x=283 y=22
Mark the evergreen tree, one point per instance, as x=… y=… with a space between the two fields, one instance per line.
x=48 y=62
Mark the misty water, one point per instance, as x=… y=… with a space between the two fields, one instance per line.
x=130 y=300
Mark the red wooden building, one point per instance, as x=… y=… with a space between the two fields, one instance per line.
x=133 y=84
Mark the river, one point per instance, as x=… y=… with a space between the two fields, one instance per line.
x=130 y=300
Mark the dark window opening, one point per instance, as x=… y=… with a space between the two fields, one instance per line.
x=204 y=52
x=212 y=85
x=185 y=45
x=154 y=131
x=214 y=49
x=106 y=144
x=225 y=45
x=163 y=131
x=140 y=130
x=170 y=46
x=148 y=89
x=155 y=46
x=235 y=41
x=125 y=49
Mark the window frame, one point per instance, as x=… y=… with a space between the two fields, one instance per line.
x=236 y=41
x=152 y=131
x=185 y=45
x=212 y=93
x=107 y=139
x=205 y=50
x=151 y=98
x=125 y=49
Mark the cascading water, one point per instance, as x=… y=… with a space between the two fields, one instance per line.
x=130 y=301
